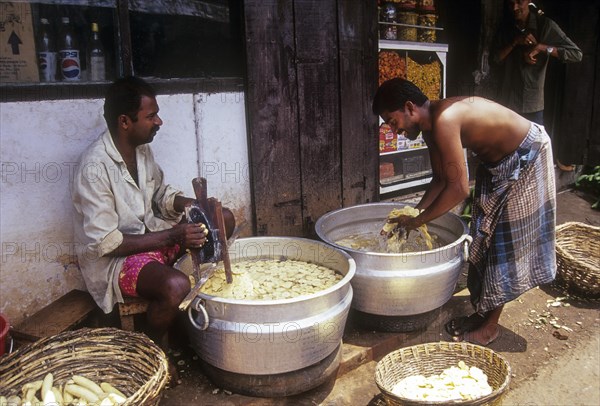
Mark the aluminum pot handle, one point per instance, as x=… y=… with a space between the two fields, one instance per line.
x=198 y=305
x=468 y=241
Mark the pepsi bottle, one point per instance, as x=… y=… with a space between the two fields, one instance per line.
x=70 y=63
x=46 y=53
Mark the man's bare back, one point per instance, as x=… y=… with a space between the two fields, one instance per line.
x=487 y=128
x=448 y=126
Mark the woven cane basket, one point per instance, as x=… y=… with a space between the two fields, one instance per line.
x=432 y=359
x=578 y=259
x=129 y=361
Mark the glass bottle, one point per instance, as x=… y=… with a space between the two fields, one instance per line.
x=97 y=66
x=46 y=52
x=69 y=53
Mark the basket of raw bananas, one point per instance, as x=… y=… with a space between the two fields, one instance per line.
x=105 y=366
x=456 y=373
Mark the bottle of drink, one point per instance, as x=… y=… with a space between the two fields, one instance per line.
x=46 y=52
x=70 y=64
x=96 y=65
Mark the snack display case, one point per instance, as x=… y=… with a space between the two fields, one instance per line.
x=409 y=48
x=405 y=164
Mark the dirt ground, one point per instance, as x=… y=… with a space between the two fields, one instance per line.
x=551 y=341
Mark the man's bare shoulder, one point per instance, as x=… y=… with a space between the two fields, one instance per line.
x=468 y=103
x=486 y=127
x=467 y=110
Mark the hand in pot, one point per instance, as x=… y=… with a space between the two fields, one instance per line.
x=403 y=225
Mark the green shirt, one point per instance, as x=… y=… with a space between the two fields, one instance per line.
x=521 y=86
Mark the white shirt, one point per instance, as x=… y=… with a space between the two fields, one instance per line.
x=108 y=203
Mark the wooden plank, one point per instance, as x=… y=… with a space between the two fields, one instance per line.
x=593 y=153
x=575 y=129
x=318 y=108
x=123 y=36
x=273 y=117
x=133 y=305
x=312 y=73
x=357 y=26
x=60 y=315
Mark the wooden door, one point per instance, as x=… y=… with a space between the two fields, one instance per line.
x=577 y=137
x=311 y=71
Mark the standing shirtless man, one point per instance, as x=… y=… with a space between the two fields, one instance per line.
x=513 y=216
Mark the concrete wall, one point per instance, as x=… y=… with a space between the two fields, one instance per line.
x=202 y=135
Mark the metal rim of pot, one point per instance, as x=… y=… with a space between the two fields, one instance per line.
x=465 y=239
x=324 y=292
x=200 y=302
x=394 y=275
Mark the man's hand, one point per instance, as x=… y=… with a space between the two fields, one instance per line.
x=402 y=222
x=189 y=235
x=531 y=55
x=405 y=221
x=527 y=40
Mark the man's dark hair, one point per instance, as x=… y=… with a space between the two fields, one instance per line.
x=393 y=94
x=124 y=96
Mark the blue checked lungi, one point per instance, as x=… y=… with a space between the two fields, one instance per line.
x=513 y=222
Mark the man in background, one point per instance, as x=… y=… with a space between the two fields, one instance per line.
x=525 y=42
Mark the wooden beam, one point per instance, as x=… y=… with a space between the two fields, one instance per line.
x=60 y=315
x=273 y=117
x=357 y=26
x=318 y=108
x=578 y=128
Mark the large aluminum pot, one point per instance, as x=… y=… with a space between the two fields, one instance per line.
x=398 y=284
x=260 y=337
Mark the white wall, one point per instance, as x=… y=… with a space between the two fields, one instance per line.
x=202 y=135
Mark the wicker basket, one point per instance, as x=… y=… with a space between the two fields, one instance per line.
x=578 y=259
x=129 y=361
x=432 y=359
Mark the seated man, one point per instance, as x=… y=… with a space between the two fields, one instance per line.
x=514 y=205
x=124 y=212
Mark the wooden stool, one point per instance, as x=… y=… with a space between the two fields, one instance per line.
x=128 y=309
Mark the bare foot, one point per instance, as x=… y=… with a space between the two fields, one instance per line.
x=460 y=325
x=484 y=335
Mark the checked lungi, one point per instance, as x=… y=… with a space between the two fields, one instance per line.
x=513 y=222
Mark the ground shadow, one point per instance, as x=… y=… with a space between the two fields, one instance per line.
x=314 y=396
x=508 y=341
